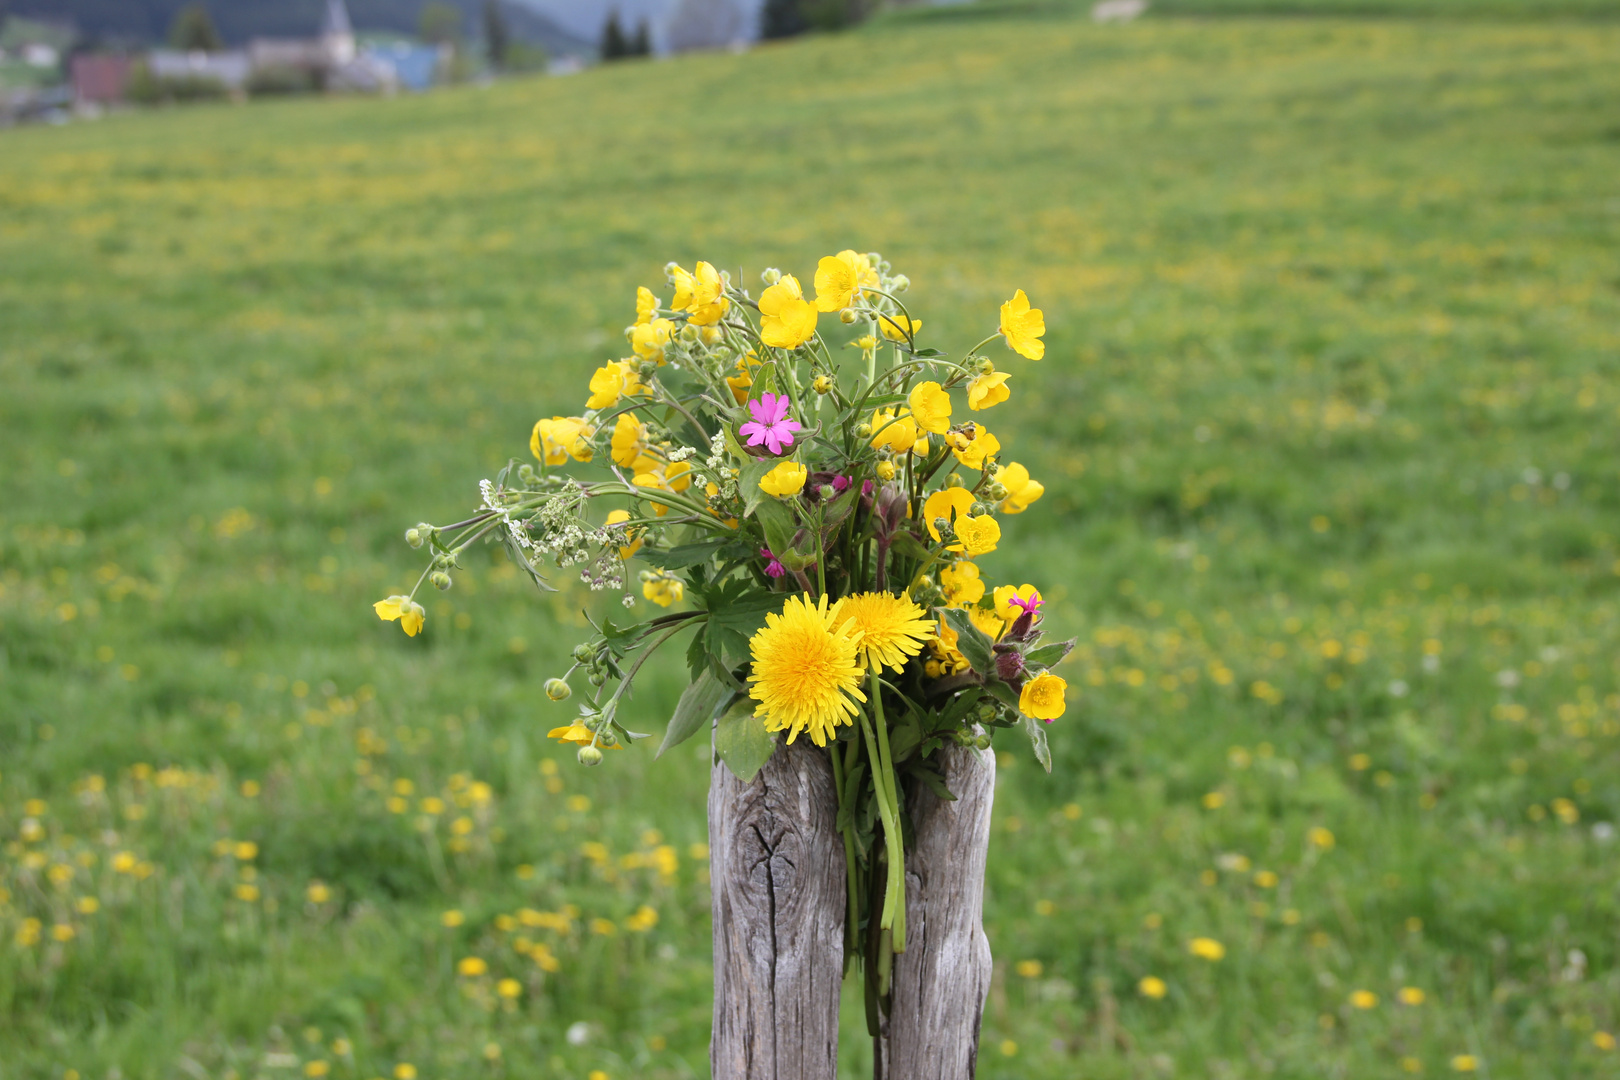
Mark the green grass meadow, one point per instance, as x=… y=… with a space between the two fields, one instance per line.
x=1329 y=423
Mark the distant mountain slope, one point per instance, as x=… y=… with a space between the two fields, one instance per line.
x=147 y=21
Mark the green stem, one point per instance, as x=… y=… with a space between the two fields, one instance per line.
x=852 y=913
x=884 y=787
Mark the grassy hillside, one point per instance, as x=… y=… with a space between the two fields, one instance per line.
x=1328 y=425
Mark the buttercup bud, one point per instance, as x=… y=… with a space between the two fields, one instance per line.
x=954 y=480
x=440 y=580
x=670 y=268
x=413 y=537
x=997 y=491
x=607 y=738
x=901 y=283
x=983 y=742
x=984 y=365
x=771 y=275
x=598 y=677
x=863 y=431
x=823 y=384
x=689 y=333
x=978 y=509
x=848 y=316
x=826 y=491
x=885 y=470
x=590 y=755
x=925 y=582
x=557 y=690
x=582 y=653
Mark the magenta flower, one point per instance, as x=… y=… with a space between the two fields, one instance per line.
x=771 y=424
x=1032 y=605
x=772 y=568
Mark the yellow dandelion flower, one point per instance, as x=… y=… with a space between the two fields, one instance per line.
x=318 y=892
x=410 y=614
x=1029 y=969
x=1206 y=948
x=988 y=389
x=1363 y=999
x=784 y=481
x=1152 y=986
x=1320 y=837
x=509 y=988
x=1603 y=1040
x=1411 y=995
x=786 y=319
x=1042 y=697
x=1023 y=326
x=891 y=628
x=1465 y=1063
x=930 y=407
x=806 y=676
x=839 y=279
x=404 y=1071
x=471 y=967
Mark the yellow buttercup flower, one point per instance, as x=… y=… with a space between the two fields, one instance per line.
x=410 y=614
x=700 y=293
x=806 y=676
x=865 y=343
x=839 y=279
x=744 y=378
x=646 y=305
x=784 y=481
x=989 y=389
x=930 y=407
x=949 y=503
x=973 y=450
x=611 y=382
x=988 y=622
x=892 y=628
x=664 y=590
x=1023 y=326
x=960 y=583
x=898 y=327
x=1021 y=490
x=649 y=338
x=786 y=319
x=979 y=535
x=625 y=551
x=629 y=440
x=895 y=432
x=576 y=732
x=556 y=440
x=1004 y=599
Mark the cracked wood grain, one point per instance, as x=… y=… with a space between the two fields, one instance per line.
x=777 y=883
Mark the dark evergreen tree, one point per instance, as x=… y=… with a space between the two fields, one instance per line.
x=497 y=39
x=782 y=18
x=193 y=30
x=641 y=44
x=615 y=46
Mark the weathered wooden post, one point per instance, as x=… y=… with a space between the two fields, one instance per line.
x=777 y=880
x=776 y=865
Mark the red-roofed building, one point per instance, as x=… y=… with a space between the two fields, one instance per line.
x=99 y=78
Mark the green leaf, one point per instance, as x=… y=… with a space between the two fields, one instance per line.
x=904 y=738
x=695 y=709
x=779 y=526
x=1037 y=737
x=933 y=781
x=926 y=354
x=1047 y=655
x=742 y=742
x=907 y=544
x=684 y=555
x=748 y=484
x=974 y=644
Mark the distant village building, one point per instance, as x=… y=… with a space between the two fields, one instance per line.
x=229 y=69
x=99 y=78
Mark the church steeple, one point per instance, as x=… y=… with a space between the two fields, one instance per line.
x=337 y=33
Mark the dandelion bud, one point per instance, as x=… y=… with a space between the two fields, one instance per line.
x=885 y=470
x=590 y=755
x=848 y=316
x=863 y=431
x=557 y=690
x=901 y=283
x=440 y=580
x=582 y=653
x=954 y=480
x=771 y=275
x=823 y=384
x=414 y=537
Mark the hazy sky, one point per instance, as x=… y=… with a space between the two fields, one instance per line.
x=585 y=17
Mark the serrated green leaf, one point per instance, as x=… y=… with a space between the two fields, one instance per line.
x=974 y=644
x=695 y=710
x=684 y=555
x=1047 y=655
x=742 y=742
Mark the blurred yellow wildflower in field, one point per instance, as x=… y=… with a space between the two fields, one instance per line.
x=1206 y=948
x=1151 y=986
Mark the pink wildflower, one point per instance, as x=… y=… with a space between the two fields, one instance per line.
x=771 y=424
x=772 y=568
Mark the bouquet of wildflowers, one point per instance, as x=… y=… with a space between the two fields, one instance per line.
x=806 y=507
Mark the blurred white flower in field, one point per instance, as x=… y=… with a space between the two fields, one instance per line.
x=579 y=1033
x=1507 y=678
x=1398 y=688
x=1603 y=832
x=1431 y=664
x=1532 y=475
